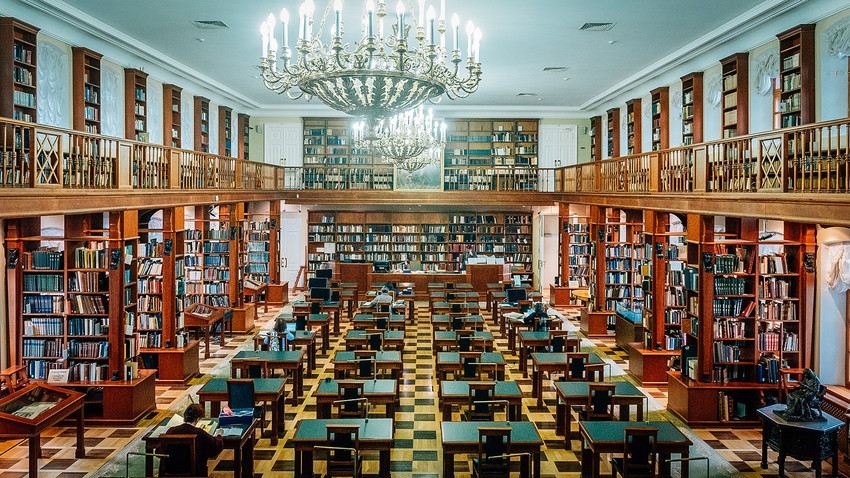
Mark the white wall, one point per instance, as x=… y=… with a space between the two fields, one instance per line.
x=832 y=47
x=711 y=88
x=830 y=321
x=646 y=123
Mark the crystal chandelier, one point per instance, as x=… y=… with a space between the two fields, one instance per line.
x=409 y=140
x=382 y=73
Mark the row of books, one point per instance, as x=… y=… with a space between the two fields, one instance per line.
x=150 y=340
x=77 y=349
x=43 y=259
x=216 y=247
x=39 y=348
x=24 y=76
x=258 y=267
x=150 y=267
x=724 y=353
x=148 y=321
x=207 y=288
x=43 y=326
x=674 y=341
x=740 y=262
x=729 y=286
x=149 y=285
x=767 y=369
x=773 y=288
x=674 y=316
x=79 y=281
x=43 y=305
x=87 y=304
x=777 y=311
x=208 y=274
x=42 y=283
x=90 y=371
x=674 y=296
x=85 y=258
x=38 y=369
x=90 y=326
x=150 y=303
x=730 y=329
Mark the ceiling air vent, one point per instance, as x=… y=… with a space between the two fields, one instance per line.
x=554 y=68
x=210 y=24
x=597 y=27
x=526 y=94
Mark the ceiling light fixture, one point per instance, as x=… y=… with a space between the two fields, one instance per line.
x=383 y=73
x=409 y=140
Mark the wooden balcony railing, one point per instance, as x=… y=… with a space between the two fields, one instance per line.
x=803 y=159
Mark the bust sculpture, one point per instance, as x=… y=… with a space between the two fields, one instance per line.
x=803 y=403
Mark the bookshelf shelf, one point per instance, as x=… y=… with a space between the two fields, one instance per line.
x=328 y=146
x=596 y=138
x=613 y=128
x=660 y=114
x=634 y=117
x=202 y=124
x=243 y=129
x=225 y=131
x=735 y=95
x=135 y=104
x=692 y=108
x=86 y=90
x=794 y=94
x=19 y=80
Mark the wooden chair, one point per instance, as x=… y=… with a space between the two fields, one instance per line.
x=470 y=365
x=464 y=340
x=344 y=451
x=639 y=453
x=250 y=368
x=559 y=341
x=576 y=366
x=366 y=366
x=14 y=378
x=240 y=394
x=374 y=339
x=480 y=392
x=351 y=401
x=181 y=458
x=600 y=404
x=493 y=443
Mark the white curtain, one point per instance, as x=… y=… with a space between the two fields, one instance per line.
x=836 y=264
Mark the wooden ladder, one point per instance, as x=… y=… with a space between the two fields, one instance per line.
x=301 y=278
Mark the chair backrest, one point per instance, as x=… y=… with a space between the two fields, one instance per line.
x=181 y=459
x=343 y=436
x=381 y=323
x=523 y=305
x=457 y=323
x=639 y=451
x=315 y=307
x=251 y=367
x=576 y=365
x=334 y=296
x=600 y=406
x=365 y=367
x=481 y=392
x=240 y=393
x=557 y=343
x=301 y=322
x=464 y=340
x=493 y=442
x=351 y=390
x=376 y=338
x=471 y=365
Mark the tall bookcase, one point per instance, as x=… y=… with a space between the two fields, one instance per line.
x=172 y=105
x=595 y=138
x=135 y=104
x=660 y=118
x=202 y=124
x=242 y=131
x=613 y=128
x=795 y=105
x=225 y=131
x=498 y=142
x=575 y=248
x=261 y=259
x=692 y=108
x=86 y=90
x=634 y=119
x=436 y=240
x=735 y=100
x=619 y=248
x=18 y=78
x=664 y=288
x=329 y=142
x=212 y=256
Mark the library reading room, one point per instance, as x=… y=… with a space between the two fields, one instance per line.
x=376 y=249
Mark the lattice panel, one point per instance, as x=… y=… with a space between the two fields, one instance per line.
x=48 y=150
x=771 y=163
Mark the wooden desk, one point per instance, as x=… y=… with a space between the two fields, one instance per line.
x=575 y=394
x=451 y=362
x=286 y=360
x=444 y=338
x=629 y=328
x=557 y=362
x=408 y=298
x=369 y=321
x=124 y=402
x=805 y=441
x=444 y=322
x=265 y=390
x=420 y=280
x=456 y=392
x=445 y=308
x=68 y=402
x=649 y=367
x=529 y=339
x=515 y=324
x=254 y=290
x=607 y=437
x=462 y=438
x=375 y=434
x=204 y=317
x=300 y=338
x=300 y=307
x=357 y=339
x=175 y=365
x=593 y=324
x=242 y=446
x=384 y=360
x=383 y=392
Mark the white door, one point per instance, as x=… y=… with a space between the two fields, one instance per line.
x=292 y=253
x=549 y=250
x=283 y=145
x=558 y=147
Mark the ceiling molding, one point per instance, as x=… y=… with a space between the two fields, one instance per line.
x=440 y=110
x=751 y=19
x=77 y=19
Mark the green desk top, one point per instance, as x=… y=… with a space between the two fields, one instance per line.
x=580 y=389
x=348 y=284
x=537 y=335
x=461 y=388
x=450 y=335
x=264 y=385
x=558 y=357
x=273 y=356
x=373 y=429
x=486 y=357
x=380 y=356
x=495 y=285
x=165 y=424
x=317 y=317
x=613 y=431
x=467 y=432
x=303 y=303
x=372 y=318
x=374 y=387
x=388 y=334
x=290 y=327
x=446 y=318
x=447 y=305
x=458 y=293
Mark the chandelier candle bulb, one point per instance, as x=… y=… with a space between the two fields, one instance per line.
x=264 y=31
x=476 y=45
x=470 y=31
x=399 y=8
x=338 y=11
x=302 y=30
x=442 y=11
x=431 y=15
x=370 y=11
x=421 y=13
x=456 y=28
x=284 y=18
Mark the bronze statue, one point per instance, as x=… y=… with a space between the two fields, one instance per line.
x=803 y=403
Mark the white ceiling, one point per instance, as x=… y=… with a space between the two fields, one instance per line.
x=519 y=40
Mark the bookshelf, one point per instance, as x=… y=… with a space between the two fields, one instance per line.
x=261 y=238
x=664 y=285
x=613 y=128
x=692 y=108
x=202 y=124
x=485 y=142
x=225 y=131
x=86 y=90
x=435 y=240
x=795 y=104
x=575 y=249
x=243 y=129
x=135 y=104
x=18 y=78
x=660 y=118
x=172 y=131
x=735 y=99
x=620 y=237
x=634 y=118
x=595 y=138
x=328 y=142
x=212 y=256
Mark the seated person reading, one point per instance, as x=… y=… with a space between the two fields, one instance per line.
x=538 y=317
x=206 y=445
x=383 y=297
x=390 y=286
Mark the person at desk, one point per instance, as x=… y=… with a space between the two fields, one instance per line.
x=389 y=286
x=383 y=297
x=206 y=445
x=538 y=317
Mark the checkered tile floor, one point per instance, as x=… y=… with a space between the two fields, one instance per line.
x=417 y=445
